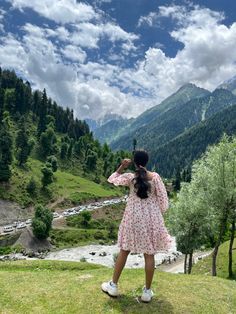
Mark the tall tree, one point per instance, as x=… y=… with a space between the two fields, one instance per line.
x=43 y=113
x=6 y=148
x=23 y=143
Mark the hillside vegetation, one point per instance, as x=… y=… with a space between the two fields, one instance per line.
x=47 y=154
x=204 y=266
x=190 y=145
x=63 y=287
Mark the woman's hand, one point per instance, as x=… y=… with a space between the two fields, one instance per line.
x=126 y=162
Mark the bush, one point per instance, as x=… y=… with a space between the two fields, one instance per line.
x=98 y=235
x=42 y=222
x=39 y=228
x=31 y=187
x=86 y=217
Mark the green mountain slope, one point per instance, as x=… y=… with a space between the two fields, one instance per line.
x=176 y=120
x=181 y=151
x=62 y=287
x=110 y=130
x=113 y=130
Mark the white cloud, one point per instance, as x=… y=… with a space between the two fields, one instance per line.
x=59 y=59
x=74 y=53
x=207 y=58
x=151 y=19
x=2 y=13
x=63 y=11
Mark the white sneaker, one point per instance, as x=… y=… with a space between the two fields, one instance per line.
x=110 y=288
x=146 y=295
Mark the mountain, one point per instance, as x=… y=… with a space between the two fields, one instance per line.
x=118 y=127
x=179 y=117
x=180 y=152
x=229 y=85
x=110 y=130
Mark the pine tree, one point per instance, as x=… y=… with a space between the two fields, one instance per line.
x=23 y=144
x=6 y=149
x=43 y=113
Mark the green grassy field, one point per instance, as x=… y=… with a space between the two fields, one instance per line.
x=71 y=189
x=68 y=287
x=204 y=266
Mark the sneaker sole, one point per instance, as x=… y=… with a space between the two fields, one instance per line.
x=146 y=301
x=110 y=295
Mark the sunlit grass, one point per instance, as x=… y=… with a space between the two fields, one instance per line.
x=69 y=287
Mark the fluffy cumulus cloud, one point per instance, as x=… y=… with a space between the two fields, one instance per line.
x=67 y=59
x=63 y=11
x=208 y=55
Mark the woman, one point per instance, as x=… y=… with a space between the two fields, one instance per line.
x=142 y=229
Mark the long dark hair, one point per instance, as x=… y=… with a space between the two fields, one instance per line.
x=142 y=186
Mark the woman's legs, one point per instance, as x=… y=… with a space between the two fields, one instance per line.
x=149 y=269
x=120 y=263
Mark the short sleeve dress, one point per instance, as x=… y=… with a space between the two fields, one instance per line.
x=142 y=228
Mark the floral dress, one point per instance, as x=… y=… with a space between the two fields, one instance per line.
x=142 y=229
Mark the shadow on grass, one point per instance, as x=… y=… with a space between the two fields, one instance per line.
x=131 y=303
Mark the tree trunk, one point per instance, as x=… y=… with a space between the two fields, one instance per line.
x=230 y=249
x=185 y=263
x=219 y=240
x=190 y=262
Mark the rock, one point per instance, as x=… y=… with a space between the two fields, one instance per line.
x=103 y=254
x=92 y=253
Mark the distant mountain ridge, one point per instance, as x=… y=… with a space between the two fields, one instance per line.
x=229 y=85
x=123 y=127
x=190 y=145
x=181 y=116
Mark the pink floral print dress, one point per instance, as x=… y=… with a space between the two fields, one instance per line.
x=142 y=229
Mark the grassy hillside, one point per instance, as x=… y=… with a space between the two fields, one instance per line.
x=67 y=188
x=204 y=266
x=63 y=287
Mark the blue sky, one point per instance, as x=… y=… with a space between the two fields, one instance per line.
x=121 y=56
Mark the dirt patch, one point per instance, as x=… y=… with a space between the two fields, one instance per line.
x=59 y=223
x=109 y=212
x=10 y=211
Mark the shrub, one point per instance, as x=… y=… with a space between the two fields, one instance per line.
x=99 y=235
x=42 y=222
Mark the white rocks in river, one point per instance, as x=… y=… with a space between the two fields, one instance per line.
x=104 y=255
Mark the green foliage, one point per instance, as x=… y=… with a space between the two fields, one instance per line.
x=42 y=222
x=6 y=148
x=112 y=230
x=203 y=267
x=52 y=160
x=23 y=143
x=47 y=175
x=86 y=217
x=31 y=187
x=48 y=142
x=204 y=206
x=74 y=237
x=184 y=149
x=64 y=150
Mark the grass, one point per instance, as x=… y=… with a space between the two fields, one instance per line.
x=64 y=238
x=72 y=189
x=204 y=266
x=69 y=287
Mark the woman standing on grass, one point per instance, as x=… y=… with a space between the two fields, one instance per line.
x=142 y=229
